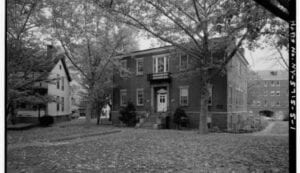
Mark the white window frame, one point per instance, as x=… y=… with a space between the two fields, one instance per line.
x=272 y=103
x=181 y=68
x=137 y=96
x=58 y=81
x=258 y=103
x=180 y=95
x=272 y=93
x=137 y=69
x=272 y=83
x=166 y=63
x=123 y=67
x=123 y=91
x=62 y=83
x=62 y=104
x=57 y=104
x=277 y=83
x=277 y=93
x=265 y=103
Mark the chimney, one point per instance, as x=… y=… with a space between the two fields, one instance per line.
x=50 y=51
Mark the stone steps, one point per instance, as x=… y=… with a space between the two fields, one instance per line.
x=150 y=122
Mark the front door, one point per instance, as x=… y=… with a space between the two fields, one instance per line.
x=162 y=102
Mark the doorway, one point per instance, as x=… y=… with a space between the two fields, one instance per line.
x=162 y=100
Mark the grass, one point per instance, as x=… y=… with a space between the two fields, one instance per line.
x=141 y=150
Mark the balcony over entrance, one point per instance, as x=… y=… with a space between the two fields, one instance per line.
x=159 y=77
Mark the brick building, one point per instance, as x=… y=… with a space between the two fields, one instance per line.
x=158 y=84
x=269 y=92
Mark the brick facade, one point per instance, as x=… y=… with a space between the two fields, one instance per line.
x=173 y=82
x=269 y=92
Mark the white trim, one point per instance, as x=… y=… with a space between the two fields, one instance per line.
x=277 y=93
x=187 y=62
x=143 y=52
x=122 y=70
x=137 y=99
x=180 y=88
x=123 y=91
x=137 y=62
x=166 y=62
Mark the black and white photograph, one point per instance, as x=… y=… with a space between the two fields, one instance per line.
x=150 y=86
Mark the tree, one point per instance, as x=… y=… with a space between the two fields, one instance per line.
x=280 y=8
x=27 y=62
x=193 y=27
x=89 y=39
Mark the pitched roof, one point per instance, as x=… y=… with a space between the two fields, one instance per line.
x=273 y=74
x=55 y=59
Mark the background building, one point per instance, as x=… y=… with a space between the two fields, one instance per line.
x=268 y=91
x=55 y=84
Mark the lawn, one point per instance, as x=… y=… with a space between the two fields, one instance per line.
x=142 y=150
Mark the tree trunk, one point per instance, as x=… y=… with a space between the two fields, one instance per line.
x=203 y=116
x=203 y=111
x=88 y=112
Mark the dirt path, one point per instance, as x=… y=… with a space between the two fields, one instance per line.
x=62 y=141
x=274 y=128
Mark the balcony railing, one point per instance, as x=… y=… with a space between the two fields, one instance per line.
x=166 y=76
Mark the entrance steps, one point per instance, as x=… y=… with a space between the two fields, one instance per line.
x=151 y=122
x=105 y=121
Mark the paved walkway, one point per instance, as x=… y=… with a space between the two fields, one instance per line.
x=275 y=128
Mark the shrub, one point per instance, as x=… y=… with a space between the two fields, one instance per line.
x=128 y=115
x=46 y=120
x=180 y=118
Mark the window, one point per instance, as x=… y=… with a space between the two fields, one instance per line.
x=277 y=93
x=258 y=103
x=278 y=103
x=278 y=83
x=139 y=66
x=160 y=64
x=184 y=96
x=62 y=83
x=272 y=83
x=272 y=93
x=265 y=93
x=123 y=97
x=272 y=103
x=123 y=68
x=209 y=102
x=183 y=63
x=57 y=103
x=62 y=104
x=266 y=103
x=140 y=97
x=266 y=84
x=60 y=67
x=57 y=82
